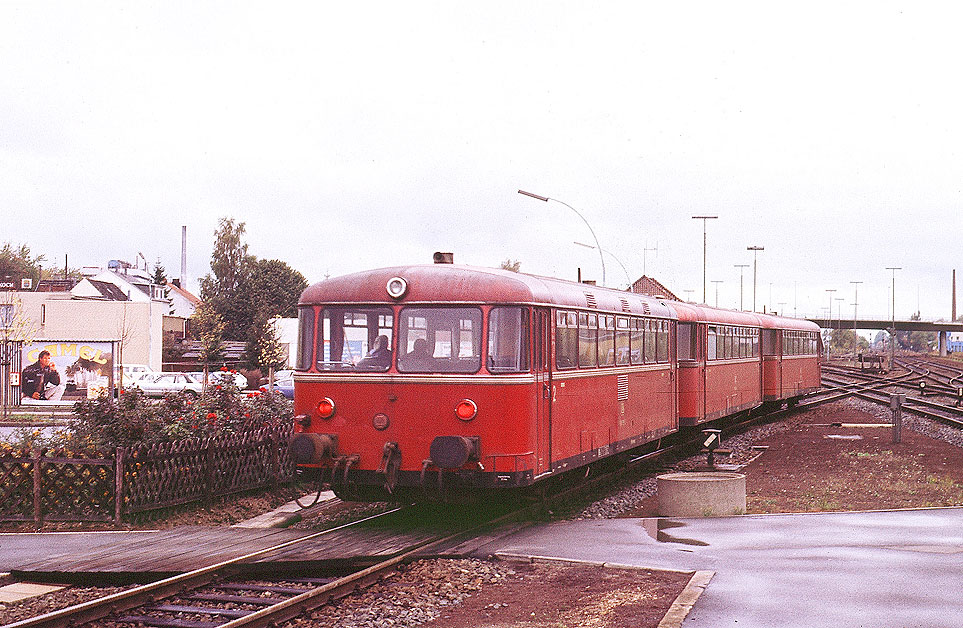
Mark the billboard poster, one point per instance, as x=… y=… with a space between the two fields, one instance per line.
x=81 y=368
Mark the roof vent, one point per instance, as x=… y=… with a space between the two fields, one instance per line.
x=590 y=300
x=625 y=304
x=646 y=309
x=443 y=258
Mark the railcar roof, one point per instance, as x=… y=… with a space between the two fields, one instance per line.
x=431 y=283
x=691 y=312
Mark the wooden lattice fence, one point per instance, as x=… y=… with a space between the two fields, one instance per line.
x=56 y=486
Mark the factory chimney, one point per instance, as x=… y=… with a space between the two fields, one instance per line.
x=954 y=297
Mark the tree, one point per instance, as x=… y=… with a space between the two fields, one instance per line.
x=918 y=341
x=275 y=287
x=160 y=273
x=207 y=326
x=512 y=265
x=224 y=289
x=264 y=349
x=15 y=327
x=244 y=289
x=17 y=263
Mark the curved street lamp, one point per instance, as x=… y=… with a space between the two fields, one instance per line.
x=589 y=246
x=599 y=246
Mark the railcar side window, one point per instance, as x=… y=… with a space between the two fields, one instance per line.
x=638 y=342
x=770 y=342
x=566 y=340
x=685 y=342
x=650 y=341
x=508 y=340
x=588 y=332
x=798 y=343
x=712 y=344
x=354 y=339
x=662 y=338
x=305 y=337
x=439 y=340
x=622 y=341
x=606 y=340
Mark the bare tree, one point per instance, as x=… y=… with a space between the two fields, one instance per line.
x=15 y=327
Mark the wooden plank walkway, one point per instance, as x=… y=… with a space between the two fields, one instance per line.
x=47 y=556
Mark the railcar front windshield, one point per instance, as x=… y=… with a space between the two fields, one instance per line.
x=439 y=340
x=354 y=339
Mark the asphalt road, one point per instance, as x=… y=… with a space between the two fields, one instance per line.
x=873 y=569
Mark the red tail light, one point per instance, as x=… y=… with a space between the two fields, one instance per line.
x=326 y=408
x=466 y=410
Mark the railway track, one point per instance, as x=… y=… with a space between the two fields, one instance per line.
x=215 y=596
x=841 y=382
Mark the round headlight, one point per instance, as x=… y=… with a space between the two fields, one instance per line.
x=466 y=410
x=397 y=287
x=326 y=408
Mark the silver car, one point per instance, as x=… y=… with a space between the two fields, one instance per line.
x=160 y=384
x=216 y=377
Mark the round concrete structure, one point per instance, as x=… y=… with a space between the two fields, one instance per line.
x=702 y=494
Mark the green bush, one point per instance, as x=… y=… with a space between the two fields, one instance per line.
x=133 y=419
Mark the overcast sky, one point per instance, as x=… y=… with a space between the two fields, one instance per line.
x=350 y=136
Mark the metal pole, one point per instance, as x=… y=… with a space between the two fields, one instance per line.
x=830 y=325
x=704 y=219
x=855 y=305
x=599 y=246
x=892 y=350
x=717 y=282
x=740 y=267
x=755 y=268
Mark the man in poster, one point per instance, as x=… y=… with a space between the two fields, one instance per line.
x=41 y=380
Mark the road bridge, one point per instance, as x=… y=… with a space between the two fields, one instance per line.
x=940 y=327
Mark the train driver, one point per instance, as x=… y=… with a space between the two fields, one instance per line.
x=380 y=355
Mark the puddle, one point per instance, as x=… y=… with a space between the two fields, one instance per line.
x=656 y=528
x=844 y=436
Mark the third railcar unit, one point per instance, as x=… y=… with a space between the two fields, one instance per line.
x=446 y=381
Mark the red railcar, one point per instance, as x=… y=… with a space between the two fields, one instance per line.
x=444 y=381
x=734 y=361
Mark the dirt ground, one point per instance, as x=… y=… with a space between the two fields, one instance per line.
x=814 y=466
x=559 y=595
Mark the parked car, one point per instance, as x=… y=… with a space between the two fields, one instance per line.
x=216 y=377
x=160 y=384
x=132 y=372
x=283 y=384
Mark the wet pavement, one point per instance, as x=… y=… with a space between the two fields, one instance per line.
x=879 y=569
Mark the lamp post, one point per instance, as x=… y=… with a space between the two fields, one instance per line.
x=704 y=219
x=855 y=305
x=627 y=277
x=717 y=282
x=740 y=267
x=755 y=250
x=688 y=294
x=646 y=249
x=892 y=350
x=830 y=325
x=547 y=198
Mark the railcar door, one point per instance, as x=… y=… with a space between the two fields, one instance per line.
x=543 y=389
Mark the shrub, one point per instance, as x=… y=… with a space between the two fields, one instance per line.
x=133 y=419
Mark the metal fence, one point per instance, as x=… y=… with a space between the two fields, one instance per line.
x=57 y=485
